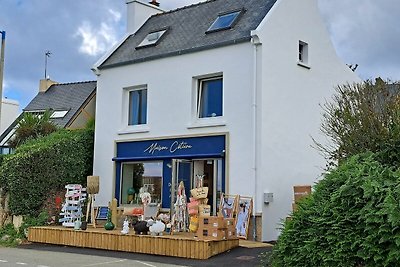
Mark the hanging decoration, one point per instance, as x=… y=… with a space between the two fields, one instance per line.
x=180 y=217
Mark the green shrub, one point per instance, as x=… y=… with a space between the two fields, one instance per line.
x=9 y=235
x=29 y=221
x=46 y=165
x=351 y=219
x=360 y=118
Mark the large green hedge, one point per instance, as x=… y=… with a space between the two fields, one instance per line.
x=351 y=219
x=45 y=165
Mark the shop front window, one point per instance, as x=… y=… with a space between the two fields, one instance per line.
x=137 y=176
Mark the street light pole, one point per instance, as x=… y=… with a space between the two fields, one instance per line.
x=3 y=44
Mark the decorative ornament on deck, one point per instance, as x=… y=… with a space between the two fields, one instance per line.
x=198 y=203
x=72 y=208
x=109 y=225
x=125 y=227
x=156 y=227
x=93 y=187
x=180 y=217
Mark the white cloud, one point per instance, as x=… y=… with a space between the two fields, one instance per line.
x=90 y=42
x=95 y=40
x=115 y=15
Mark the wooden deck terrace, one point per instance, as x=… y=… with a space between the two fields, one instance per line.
x=182 y=245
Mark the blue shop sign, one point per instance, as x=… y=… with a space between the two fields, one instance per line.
x=191 y=147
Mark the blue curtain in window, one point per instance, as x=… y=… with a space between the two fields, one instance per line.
x=211 y=99
x=137 y=107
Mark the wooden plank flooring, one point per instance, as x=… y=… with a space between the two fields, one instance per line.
x=177 y=245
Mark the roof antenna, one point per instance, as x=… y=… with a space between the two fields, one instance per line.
x=47 y=54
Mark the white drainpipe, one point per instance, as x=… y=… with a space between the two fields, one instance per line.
x=256 y=42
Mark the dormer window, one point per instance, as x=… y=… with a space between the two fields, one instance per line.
x=224 y=21
x=152 y=38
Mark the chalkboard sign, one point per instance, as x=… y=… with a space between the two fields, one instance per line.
x=102 y=213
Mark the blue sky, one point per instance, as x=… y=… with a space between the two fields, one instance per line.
x=79 y=32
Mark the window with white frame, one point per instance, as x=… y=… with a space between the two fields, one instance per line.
x=152 y=38
x=210 y=97
x=303 y=53
x=224 y=21
x=59 y=114
x=137 y=106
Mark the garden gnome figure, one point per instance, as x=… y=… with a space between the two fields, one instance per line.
x=125 y=227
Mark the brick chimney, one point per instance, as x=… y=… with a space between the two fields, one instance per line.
x=139 y=12
x=45 y=84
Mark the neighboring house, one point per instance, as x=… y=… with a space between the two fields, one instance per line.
x=72 y=105
x=9 y=112
x=229 y=89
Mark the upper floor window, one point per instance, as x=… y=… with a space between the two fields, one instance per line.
x=303 y=53
x=224 y=21
x=137 y=107
x=209 y=98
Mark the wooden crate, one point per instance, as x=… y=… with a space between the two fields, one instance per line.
x=179 y=245
x=301 y=191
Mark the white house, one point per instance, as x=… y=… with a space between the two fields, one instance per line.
x=225 y=88
x=9 y=112
x=72 y=105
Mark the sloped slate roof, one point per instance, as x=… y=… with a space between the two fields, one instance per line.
x=66 y=96
x=187 y=28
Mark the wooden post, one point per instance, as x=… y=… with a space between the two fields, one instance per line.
x=114 y=212
x=90 y=210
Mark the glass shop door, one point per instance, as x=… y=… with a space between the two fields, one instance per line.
x=182 y=170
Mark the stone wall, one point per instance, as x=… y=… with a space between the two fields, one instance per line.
x=5 y=217
x=258 y=228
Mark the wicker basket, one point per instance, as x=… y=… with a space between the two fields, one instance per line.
x=199 y=193
x=93 y=184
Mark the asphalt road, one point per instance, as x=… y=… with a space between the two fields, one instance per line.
x=42 y=258
x=40 y=255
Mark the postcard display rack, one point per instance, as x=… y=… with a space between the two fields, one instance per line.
x=74 y=201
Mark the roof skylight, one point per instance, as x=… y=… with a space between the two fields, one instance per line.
x=59 y=114
x=224 y=21
x=152 y=38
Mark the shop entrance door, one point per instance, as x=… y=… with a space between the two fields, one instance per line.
x=182 y=170
x=211 y=170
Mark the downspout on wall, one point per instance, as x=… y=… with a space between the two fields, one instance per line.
x=256 y=43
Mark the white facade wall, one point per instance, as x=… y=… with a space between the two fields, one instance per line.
x=287 y=97
x=171 y=91
x=290 y=114
x=9 y=112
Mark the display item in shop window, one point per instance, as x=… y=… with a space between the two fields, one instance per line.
x=131 y=193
